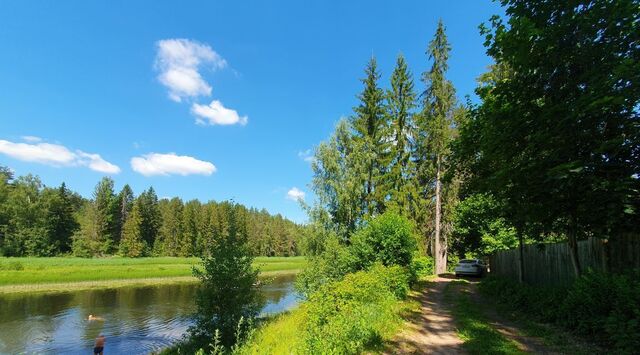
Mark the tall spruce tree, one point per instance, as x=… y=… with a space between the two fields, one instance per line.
x=401 y=102
x=105 y=216
x=435 y=126
x=132 y=244
x=124 y=204
x=150 y=215
x=371 y=140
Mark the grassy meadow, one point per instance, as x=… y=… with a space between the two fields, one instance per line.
x=32 y=271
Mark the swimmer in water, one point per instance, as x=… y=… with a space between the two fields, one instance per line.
x=99 y=347
x=92 y=317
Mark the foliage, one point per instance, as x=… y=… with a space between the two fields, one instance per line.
x=228 y=281
x=388 y=239
x=478 y=228
x=556 y=138
x=332 y=264
x=345 y=317
x=603 y=307
x=421 y=266
x=131 y=244
x=36 y=220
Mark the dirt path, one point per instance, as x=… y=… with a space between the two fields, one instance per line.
x=432 y=330
x=505 y=327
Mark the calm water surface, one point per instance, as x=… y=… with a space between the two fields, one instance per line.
x=137 y=320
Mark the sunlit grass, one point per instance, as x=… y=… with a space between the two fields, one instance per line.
x=473 y=327
x=19 y=271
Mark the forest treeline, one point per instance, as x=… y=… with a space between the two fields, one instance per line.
x=36 y=220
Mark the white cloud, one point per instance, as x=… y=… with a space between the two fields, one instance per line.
x=216 y=113
x=179 y=60
x=295 y=194
x=170 y=164
x=56 y=155
x=306 y=155
x=31 y=139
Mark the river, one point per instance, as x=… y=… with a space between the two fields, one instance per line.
x=137 y=320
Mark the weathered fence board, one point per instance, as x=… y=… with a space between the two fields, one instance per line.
x=550 y=264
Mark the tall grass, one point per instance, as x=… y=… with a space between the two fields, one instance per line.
x=18 y=271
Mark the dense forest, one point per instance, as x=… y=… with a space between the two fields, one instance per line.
x=36 y=220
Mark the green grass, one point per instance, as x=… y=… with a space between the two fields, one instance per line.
x=28 y=271
x=473 y=327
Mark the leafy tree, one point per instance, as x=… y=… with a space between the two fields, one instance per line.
x=388 y=239
x=479 y=228
x=336 y=183
x=227 y=290
x=557 y=135
x=434 y=133
x=132 y=244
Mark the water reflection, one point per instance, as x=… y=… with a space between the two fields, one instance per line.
x=137 y=320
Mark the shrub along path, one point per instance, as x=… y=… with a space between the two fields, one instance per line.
x=453 y=319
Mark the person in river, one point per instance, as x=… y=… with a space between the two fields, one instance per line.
x=92 y=317
x=99 y=346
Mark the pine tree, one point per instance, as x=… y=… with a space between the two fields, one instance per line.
x=132 y=244
x=371 y=140
x=124 y=203
x=105 y=215
x=150 y=215
x=401 y=101
x=61 y=222
x=435 y=126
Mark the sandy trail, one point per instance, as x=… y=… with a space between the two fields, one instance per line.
x=432 y=330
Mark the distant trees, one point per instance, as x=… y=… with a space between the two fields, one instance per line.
x=36 y=220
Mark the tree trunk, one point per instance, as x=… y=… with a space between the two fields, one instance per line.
x=521 y=259
x=440 y=249
x=573 y=246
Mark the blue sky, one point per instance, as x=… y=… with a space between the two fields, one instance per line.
x=204 y=99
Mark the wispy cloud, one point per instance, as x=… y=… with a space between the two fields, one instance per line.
x=216 y=114
x=56 y=155
x=179 y=62
x=295 y=194
x=171 y=164
x=31 y=139
x=306 y=155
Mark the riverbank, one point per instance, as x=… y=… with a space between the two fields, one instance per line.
x=20 y=275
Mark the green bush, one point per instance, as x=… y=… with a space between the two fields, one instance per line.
x=389 y=239
x=602 y=307
x=332 y=264
x=422 y=266
x=347 y=316
x=606 y=308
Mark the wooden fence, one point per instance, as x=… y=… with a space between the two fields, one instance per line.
x=550 y=264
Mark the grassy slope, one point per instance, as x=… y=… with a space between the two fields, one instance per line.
x=29 y=271
x=284 y=333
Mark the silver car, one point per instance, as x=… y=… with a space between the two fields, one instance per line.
x=470 y=267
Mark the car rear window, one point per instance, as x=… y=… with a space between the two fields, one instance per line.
x=466 y=261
